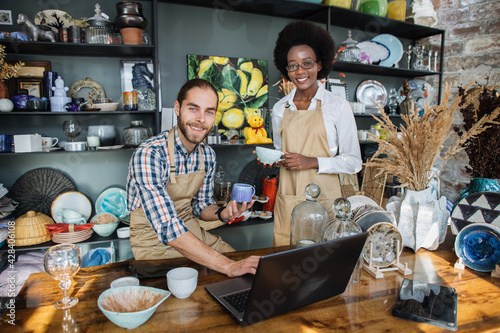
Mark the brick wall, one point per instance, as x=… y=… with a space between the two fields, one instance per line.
x=472 y=52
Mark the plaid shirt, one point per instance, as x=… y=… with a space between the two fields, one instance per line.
x=147 y=180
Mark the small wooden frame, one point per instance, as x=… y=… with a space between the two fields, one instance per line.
x=377 y=272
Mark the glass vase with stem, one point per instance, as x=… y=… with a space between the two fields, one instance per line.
x=72 y=129
x=62 y=262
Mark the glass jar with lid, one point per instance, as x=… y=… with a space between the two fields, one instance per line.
x=308 y=219
x=134 y=135
x=99 y=29
x=349 y=50
x=343 y=226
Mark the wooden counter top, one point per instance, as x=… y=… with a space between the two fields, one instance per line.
x=364 y=307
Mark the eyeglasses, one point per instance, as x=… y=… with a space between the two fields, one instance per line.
x=304 y=65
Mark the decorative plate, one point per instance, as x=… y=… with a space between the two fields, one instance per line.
x=384 y=237
x=256 y=198
x=114 y=201
x=110 y=147
x=72 y=237
x=478 y=245
x=54 y=18
x=420 y=90
x=474 y=208
x=89 y=84
x=37 y=189
x=256 y=213
x=370 y=92
x=375 y=50
x=360 y=200
x=371 y=218
x=71 y=200
x=393 y=44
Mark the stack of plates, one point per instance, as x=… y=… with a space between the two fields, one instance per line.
x=72 y=237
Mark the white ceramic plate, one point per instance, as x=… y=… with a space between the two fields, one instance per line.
x=110 y=147
x=393 y=44
x=370 y=92
x=360 y=200
x=114 y=201
x=53 y=18
x=420 y=90
x=71 y=200
x=375 y=50
x=261 y=201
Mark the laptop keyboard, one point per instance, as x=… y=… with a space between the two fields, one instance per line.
x=238 y=300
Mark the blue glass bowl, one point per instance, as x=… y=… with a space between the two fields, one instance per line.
x=479 y=246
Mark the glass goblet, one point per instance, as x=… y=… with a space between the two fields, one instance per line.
x=61 y=262
x=72 y=129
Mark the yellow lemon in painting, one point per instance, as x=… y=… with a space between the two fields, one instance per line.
x=255 y=82
x=262 y=91
x=220 y=60
x=244 y=83
x=246 y=66
x=204 y=65
x=233 y=118
x=218 y=117
x=226 y=99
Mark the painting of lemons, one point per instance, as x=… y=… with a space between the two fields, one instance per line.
x=242 y=85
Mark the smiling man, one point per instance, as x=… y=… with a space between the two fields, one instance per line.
x=170 y=185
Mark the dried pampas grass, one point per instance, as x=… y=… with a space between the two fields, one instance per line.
x=414 y=151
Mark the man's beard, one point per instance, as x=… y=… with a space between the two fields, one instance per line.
x=190 y=137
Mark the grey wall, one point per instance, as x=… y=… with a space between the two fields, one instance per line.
x=182 y=30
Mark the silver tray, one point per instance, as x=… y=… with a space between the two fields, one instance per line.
x=371 y=93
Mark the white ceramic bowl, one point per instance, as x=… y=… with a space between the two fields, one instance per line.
x=123 y=232
x=182 y=281
x=105 y=106
x=268 y=156
x=75 y=146
x=104 y=230
x=125 y=281
x=138 y=304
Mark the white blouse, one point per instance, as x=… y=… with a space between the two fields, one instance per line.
x=341 y=131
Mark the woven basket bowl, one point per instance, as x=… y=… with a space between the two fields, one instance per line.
x=30 y=229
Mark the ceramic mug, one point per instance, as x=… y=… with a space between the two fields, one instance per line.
x=242 y=192
x=49 y=142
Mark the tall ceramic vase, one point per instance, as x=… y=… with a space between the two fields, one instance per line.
x=423 y=219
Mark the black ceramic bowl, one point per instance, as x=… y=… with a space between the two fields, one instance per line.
x=35 y=105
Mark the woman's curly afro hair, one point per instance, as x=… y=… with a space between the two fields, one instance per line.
x=305 y=33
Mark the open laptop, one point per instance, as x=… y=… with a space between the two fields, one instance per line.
x=291 y=279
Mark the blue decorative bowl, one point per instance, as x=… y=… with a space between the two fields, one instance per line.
x=141 y=301
x=478 y=245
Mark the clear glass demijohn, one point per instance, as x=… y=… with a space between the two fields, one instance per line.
x=343 y=226
x=308 y=219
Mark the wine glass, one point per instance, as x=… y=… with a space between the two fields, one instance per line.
x=72 y=129
x=61 y=262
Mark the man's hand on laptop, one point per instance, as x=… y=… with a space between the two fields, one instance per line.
x=242 y=267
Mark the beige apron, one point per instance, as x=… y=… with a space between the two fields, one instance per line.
x=182 y=188
x=302 y=132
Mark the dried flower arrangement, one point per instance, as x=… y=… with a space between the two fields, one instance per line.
x=285 y=86
x=483 y=150
x=414 y=152
x=7 y=71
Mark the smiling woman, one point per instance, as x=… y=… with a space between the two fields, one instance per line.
x=304 y=54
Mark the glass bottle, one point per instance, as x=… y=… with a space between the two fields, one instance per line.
x=134 y=135
x=308 y=219
x=393 y=101
x=351 y=51
x=343 y=226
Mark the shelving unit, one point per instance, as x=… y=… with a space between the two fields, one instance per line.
x=75 y=163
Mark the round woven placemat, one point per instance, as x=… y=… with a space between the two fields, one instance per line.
x=252 y=173
x=37 y=188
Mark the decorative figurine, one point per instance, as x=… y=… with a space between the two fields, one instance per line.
x=60 y=97
x=408 y=103
x=256 y=132
x=393 y=102
x=36 y=32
